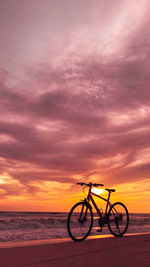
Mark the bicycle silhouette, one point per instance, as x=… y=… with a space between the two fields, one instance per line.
x=80 y=217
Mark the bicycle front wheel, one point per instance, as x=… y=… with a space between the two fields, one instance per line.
x=118 y=219
x=80 y=221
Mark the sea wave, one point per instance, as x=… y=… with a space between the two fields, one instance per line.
x=22 y=223
x=19 y=226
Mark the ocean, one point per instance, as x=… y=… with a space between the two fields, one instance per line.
x=21 y=226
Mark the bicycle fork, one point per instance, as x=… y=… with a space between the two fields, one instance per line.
x=82 y=217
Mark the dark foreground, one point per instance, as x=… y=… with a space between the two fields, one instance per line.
x=125 y=251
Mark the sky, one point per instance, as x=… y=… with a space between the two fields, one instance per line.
x=74 y=102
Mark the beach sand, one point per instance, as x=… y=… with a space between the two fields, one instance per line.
x=124 y=251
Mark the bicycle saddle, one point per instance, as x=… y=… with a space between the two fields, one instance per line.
x=110 y=190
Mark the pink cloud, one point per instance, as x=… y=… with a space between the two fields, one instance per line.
x=74 y=111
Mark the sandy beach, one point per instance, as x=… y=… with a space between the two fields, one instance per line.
x=125 y=251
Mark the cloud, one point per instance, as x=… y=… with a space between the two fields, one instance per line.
x=85 y=112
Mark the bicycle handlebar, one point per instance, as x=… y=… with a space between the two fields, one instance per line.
x=90 y=184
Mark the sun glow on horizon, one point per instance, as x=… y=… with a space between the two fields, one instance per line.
x=97 y=191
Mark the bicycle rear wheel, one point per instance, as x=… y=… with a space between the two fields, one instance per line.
x=80 y=221
x=118 y=219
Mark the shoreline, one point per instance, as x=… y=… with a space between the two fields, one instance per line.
x=131 y=250
x=39 y=242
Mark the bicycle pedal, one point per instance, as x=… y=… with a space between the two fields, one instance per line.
x=99 y=230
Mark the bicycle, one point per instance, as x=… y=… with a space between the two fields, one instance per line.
x=80 y=217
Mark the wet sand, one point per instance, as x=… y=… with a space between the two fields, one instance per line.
x=125 y=252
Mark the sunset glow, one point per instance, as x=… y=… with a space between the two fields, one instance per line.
x=97 y=191
x=74 y=102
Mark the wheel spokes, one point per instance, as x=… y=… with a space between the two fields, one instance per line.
x=80 y=221
x=118 y=219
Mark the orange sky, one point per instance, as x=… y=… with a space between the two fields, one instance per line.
x=55 y=196
x=74 y=102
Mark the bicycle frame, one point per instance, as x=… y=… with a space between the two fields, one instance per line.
x=89 y=197
x=81 y=217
